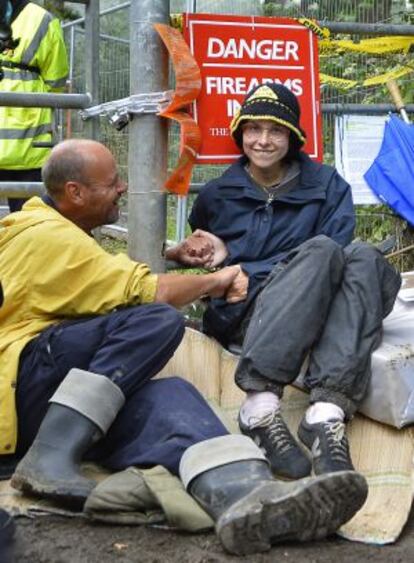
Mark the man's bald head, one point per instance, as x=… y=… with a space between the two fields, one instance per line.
x=82 y=178
x=69 y=162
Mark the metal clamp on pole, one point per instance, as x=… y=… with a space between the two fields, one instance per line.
x=120 y=112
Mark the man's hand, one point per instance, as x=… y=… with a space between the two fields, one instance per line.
x=224 y=280
x=201 y=249
x=181 y=289
x=238 y=289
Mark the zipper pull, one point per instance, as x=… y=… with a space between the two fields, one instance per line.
x=270 y=199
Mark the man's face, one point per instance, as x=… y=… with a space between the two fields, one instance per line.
x=265 y=143
x=102 y=190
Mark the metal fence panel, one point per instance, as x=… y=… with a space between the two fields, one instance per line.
x=114 y=76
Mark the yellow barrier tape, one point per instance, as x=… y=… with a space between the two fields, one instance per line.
x=375 y=46
x=346 y=84
x=383 y=78
x=341 y=83
x=321 y=32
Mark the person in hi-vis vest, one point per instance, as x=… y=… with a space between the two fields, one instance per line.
x=39 y=64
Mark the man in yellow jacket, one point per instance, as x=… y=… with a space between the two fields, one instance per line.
x=37 y=64
x=7 y=527
x=82 y=333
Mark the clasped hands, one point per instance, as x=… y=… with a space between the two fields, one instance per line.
x=205 y=250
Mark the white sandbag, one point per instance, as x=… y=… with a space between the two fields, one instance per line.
x=390 y=397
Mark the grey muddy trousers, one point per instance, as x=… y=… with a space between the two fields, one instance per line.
x=326 y=301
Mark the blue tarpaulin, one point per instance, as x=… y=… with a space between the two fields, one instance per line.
x=391 y=175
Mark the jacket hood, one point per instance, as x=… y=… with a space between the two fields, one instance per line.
x=16 y=223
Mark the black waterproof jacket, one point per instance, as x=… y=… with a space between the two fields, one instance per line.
x=259 y=234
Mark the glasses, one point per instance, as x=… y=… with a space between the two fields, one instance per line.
x=254 y=131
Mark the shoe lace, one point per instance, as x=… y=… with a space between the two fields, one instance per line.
x=278 y=432
x=337 y=440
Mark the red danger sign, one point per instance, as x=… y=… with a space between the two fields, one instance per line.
x=237 y=53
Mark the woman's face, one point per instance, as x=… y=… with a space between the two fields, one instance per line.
x=265 y=143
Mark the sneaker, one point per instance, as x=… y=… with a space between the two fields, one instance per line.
x=286 y=457
x=328 y=444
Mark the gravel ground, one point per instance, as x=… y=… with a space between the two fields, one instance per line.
x=53 y=539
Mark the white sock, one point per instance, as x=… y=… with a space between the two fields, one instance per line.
x=321 y=412
x=257 y=405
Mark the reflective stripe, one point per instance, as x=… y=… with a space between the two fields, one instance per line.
x=56 y=83
x=25 y=133
x=23 y=75
x=15 y=65
x=37 y=39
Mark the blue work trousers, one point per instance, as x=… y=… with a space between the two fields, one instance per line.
x=160 y=419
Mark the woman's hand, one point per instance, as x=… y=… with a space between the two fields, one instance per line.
x=218 y=250
x=238 y=289
x=200 y=249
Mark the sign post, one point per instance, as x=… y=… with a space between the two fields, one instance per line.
x=237 y=53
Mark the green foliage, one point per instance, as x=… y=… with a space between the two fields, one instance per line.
x=375 y=223
x=113 y=246
x=276 y=9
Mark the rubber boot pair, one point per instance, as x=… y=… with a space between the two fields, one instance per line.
x=81 y=412
x=230 y=478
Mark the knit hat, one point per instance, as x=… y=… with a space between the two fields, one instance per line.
x=269 y=101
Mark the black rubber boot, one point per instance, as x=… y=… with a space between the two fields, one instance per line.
x=81 y=411
x=253 y=511
x=51 y=467
x=8 y=464
x=7 y=529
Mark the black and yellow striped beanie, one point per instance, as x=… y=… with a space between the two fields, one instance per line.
x=269 y=101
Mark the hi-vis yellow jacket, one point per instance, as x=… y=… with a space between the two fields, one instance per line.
x=52 y=270
x=42 y=48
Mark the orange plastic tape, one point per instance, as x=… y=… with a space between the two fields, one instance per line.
x=188 y=85
x=179 y=180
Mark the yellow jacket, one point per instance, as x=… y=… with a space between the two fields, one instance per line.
x=52 y=270
x=42 y=48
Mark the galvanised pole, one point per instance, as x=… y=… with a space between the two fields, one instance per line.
x=21 y=189
x=92 y=27
x=147 y=159
x=355 y=28
x=44 y=100
x=362 y=109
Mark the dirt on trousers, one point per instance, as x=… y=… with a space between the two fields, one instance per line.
x=54 y=539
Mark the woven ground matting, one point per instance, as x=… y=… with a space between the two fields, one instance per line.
x=384 y=455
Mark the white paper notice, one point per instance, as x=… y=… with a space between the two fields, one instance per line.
x=358 y=140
